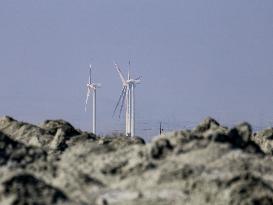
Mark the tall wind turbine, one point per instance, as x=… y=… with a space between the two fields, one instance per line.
x=92 y=87
x=128 y=95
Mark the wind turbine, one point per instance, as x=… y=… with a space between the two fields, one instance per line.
x=92 y=87
x=127 y=95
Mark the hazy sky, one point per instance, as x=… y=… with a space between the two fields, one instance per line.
x=198 y=58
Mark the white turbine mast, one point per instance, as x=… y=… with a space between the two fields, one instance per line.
x=127 y=95
x=92 y=87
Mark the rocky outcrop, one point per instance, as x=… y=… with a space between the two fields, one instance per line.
x=26 y=189
x=210 y=164
x=264 y=139
x=16 y=154
x=24 y=132
x=51 y=135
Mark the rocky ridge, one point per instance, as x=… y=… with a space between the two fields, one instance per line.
x=54 y=163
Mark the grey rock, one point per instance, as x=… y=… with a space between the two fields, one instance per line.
x=207 y=124
x=160 y=148
x=52 y=126
x=264 y=139
x=210 y=164
x=27 y=189
x=18 y=154
x=24 y=132
x=240 y=137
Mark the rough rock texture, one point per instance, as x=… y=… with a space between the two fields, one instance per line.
x=265 y=139
x=56 y=164
x=27 y=189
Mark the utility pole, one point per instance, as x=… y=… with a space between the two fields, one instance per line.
x=160 y=128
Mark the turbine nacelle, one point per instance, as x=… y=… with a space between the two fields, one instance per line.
x=129 y=80
x=93 y=86
x=133 y=81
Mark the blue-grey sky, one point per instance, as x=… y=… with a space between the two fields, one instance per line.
x=197 y=58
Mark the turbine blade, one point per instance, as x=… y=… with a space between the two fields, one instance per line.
x=122 y=103
x=120 y=97
x=120 y=73
x=87 y=97
x=90 y=80
x=129 y=70
x=138 y=78
x=98 y=85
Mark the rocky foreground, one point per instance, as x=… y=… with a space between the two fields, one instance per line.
x=54 y=163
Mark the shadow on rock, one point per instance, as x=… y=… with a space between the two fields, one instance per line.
x=27 y=189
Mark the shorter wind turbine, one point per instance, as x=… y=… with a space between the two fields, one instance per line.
x=92 y=87
x=128 y=95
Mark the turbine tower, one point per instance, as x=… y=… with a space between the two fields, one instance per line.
x=92 y=87
x=128 y=95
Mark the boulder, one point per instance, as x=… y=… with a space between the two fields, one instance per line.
x=240 y=137
x=207 y=124
x=52 y=126
x=24 y=132
x=18 y=154
x=264 y=139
